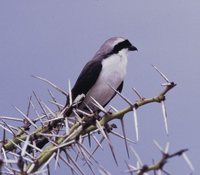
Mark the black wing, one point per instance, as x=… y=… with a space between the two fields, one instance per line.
x=87 y=78
x=120 y=87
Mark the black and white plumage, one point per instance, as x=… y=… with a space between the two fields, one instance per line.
x=105 y=70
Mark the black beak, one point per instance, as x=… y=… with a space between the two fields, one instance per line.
x=132 y=48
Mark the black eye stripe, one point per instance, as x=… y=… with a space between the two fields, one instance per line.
x=122 y=45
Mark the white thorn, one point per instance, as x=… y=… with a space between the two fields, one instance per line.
x=25 y=146
x=50 y=83
x=158 y=146
x=26 y=117
x=70 y=93
x=166 y=79
x=98 y=105
x=165 y=117
x=66 y=126
x=137 y=156
x=167 y=147
x=137 y=93
x=188 y=162
x=136 y=124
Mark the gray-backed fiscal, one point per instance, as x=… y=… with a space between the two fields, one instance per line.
x=102 y=74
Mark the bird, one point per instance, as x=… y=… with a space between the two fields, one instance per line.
x=103 y=75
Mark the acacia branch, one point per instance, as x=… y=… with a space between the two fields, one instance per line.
x=74 y=132
x=78 y=130
x=140 y=102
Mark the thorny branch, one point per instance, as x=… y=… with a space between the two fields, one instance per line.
x=33 y=149
x=158 y=166
x=161 y=163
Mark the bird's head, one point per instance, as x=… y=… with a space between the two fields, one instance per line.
x=115 y=45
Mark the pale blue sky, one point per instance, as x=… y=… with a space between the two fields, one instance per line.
x=54 y=39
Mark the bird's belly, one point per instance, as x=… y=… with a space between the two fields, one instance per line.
x=102 y=92
x=110 y=77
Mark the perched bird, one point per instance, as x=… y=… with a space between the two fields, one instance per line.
x=105 y=71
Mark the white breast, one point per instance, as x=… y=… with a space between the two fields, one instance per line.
x=112 y=74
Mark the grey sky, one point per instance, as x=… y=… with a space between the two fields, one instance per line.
x=54 y=39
